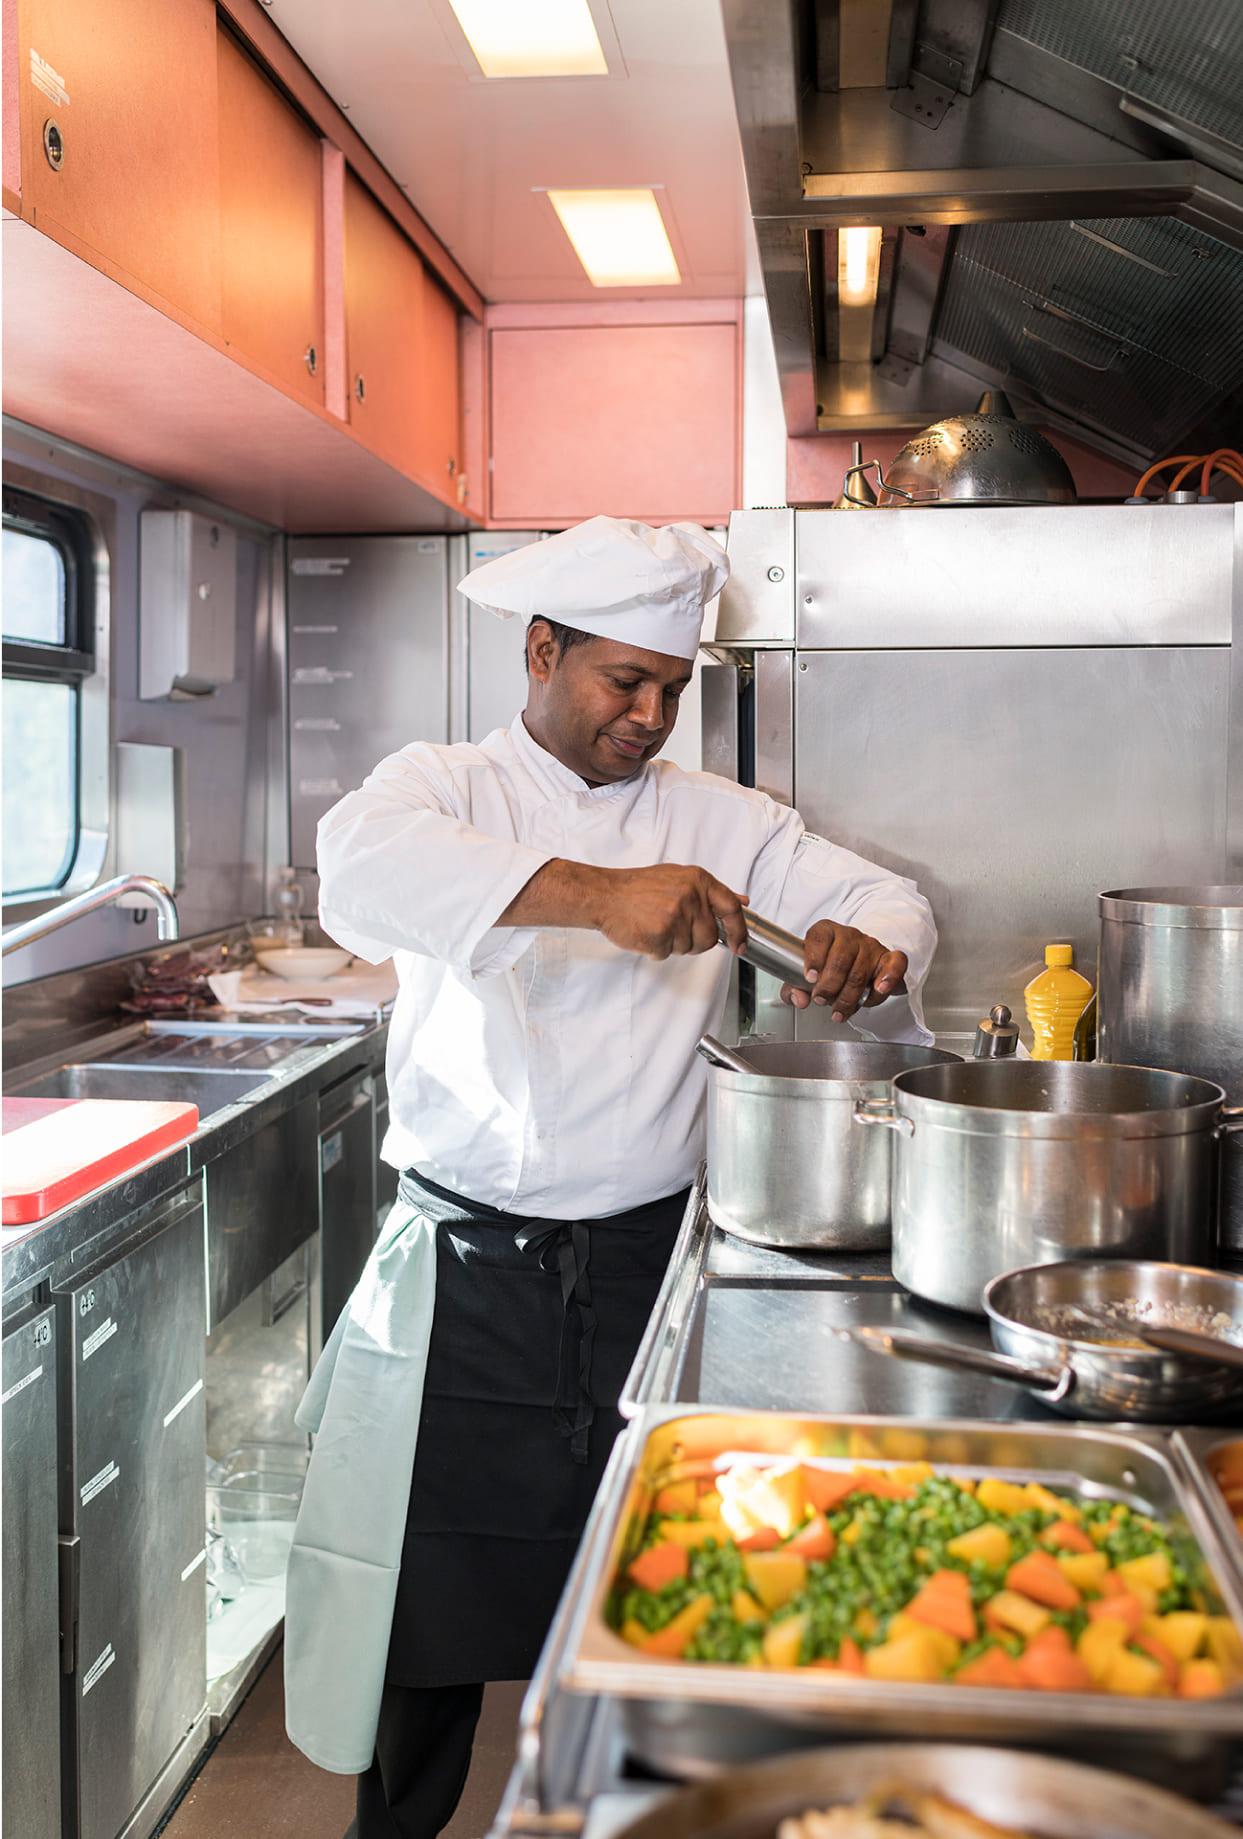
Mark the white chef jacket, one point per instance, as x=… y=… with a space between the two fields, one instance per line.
x=545 y=1071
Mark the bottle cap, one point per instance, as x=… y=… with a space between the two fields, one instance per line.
x=1056 y=956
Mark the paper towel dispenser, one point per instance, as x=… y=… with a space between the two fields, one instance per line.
x=187 y=604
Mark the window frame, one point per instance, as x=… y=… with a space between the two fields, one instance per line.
x=79 y=524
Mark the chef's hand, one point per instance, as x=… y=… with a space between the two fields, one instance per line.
x=670 y=909
x=847 y=968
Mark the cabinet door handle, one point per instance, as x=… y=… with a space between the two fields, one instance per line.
x=68 y=1561
x=274 y=1308
x=360 y=388
x=311 y=359
x=54 y=144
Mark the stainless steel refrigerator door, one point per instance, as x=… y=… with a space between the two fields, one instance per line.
x=368 y=663
x=30 y=1782
x=1014 y=786
x=493 y=649
x=137 y=1504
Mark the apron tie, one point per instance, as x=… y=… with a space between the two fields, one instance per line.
x=565 y=1246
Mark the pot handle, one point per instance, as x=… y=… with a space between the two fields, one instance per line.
x=1052 y=1382
x=717 y=1054
x=882 y=1112
x=1230 y=1121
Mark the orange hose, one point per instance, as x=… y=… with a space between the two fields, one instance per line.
x=1181 y=474
x=1176 y=459
x=1223 y=453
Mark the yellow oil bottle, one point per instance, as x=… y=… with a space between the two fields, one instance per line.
x=1055 y=1000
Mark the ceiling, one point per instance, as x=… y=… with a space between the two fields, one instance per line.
x=473 y=155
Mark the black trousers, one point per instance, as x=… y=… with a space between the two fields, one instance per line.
x=422 y=1755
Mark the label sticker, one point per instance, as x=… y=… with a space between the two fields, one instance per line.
x=427 y=546
x=95 y=1672
x=97 y=1483
x=194 y=1564
x=21 y=1385
x=332 y=1152
x=95 y=1340
x=318 y=724
x=181 y=1404
x=319 y=788
x=49 y=81
x=319 y=673
x=317 y=629
x=319 y=565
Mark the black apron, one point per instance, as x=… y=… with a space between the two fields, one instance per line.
x=536 y=1325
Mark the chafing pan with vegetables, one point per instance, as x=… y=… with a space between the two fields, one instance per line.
x=905 y=1574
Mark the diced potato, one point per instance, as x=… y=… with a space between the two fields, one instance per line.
x=1001 y=1496
x=1149 y=1573
x=783 y=1642
x=1084 y=1569
x=1183 y=1631
x=1135 y=1675
x=1098 y=1644
x=948 y=1650
x=1016 y=1612
x=745 y=1607
x=1201 y=1679
x=1224 y=1645
x=678 y=1497
x=1048 y=1502
x=1099 y=1531
x=691 y=1533
x=852 y=1534
x=775 y=1577
x=634 y=1632
x=911 y=1658
x=865 y=1624
x=990 y=1544
x=709 y=1506
x=775 y=1497
x=675 y=1637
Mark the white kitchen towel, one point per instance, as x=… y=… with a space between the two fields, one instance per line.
x=365 y=992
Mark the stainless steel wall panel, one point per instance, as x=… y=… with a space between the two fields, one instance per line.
x=1075 y=575
x=1014 y=785
x=756 y=605
x=30 y=1776
x=495 y=648
x=718 y=691
x=774 y=725
x=368 y=664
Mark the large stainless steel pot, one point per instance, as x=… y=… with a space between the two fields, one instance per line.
x=999 y=1164
x=1171 y=995
x=785 y=1166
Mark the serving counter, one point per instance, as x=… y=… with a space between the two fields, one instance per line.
x=738 y=1332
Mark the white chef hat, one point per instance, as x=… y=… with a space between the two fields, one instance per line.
x=612 y=577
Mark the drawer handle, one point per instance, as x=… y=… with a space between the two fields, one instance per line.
x=275 y=1311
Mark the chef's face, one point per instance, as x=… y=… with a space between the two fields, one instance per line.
x=602 y=708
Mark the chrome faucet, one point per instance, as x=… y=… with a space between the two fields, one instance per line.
x=103 y=896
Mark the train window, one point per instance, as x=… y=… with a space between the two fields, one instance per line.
x=47 y=623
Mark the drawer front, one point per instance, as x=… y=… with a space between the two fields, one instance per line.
x=262 y=1203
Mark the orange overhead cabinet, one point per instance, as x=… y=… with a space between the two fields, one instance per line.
x=401 y=339
x=271 y=226
x=119 y=149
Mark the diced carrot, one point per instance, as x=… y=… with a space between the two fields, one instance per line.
x=1049 y=1667
x=816 y=1539
x=659 y=1565
x=1113 y=1585
x=1158 y=1651
x=672 y=1641
x=1050 y=1640
x=870 y=1481
x=1122 y=1608
x=944 y=1602
x=994 y=1667
x=763 y=1539
x=678 y=1497
x=1040 y=1577
x=827 y=1488
x=1066 y=1537
x=1201 y=1679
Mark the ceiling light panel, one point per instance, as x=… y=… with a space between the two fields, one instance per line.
x=619 y=236
x=532 y=38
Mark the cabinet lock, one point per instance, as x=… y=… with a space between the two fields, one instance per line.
x=53 y=145
x=311 y=359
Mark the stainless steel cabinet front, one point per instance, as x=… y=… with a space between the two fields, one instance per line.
x=347 y=1189
x=30 y=1782
x=1014 y=786
x=261 y=1206
x=135 y=1500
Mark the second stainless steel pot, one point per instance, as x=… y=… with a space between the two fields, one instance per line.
x=1000 y=1164
x=785 y=1165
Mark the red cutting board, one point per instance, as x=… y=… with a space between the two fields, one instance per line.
x=58 y=1149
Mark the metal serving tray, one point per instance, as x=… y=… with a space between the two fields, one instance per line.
x=1195 y=1449
x=692 y=1718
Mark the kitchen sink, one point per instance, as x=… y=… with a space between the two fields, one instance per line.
x=210 y=1090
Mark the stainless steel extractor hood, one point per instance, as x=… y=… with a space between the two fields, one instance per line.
x=1058 y=186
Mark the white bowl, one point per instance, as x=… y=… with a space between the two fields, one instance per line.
x=304 y=963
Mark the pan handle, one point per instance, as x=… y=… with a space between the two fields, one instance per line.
x=717 y=1054
x=1052 y=1382
x=880 y=1111
x=1229 y=1121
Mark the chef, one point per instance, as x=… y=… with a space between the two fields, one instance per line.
x=551 y=899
